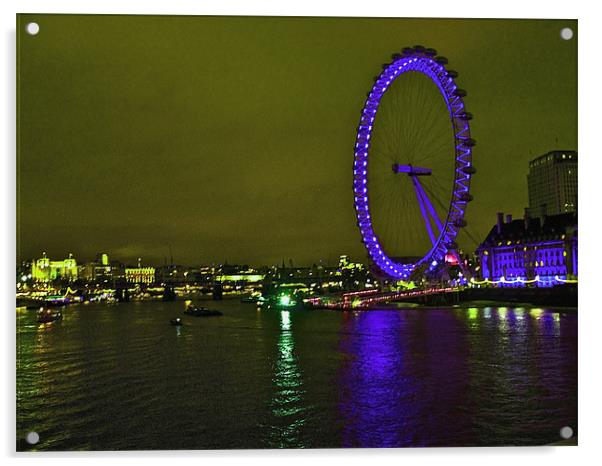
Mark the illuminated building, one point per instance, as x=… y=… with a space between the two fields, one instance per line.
x=540 y=252
x=246 y=277
x=203 y=276
x=140 y=275
x=102 y=259
x=46 y=270
x=237 y=277
x=102 y=270
x=552 y=183
x=345 y=263
x=353 y=275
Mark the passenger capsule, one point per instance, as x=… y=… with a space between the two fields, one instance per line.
x=460 y=92
x=452 y=74
x=466 y=116
x=470 y=170
x=441 y=60
x=407 y=50
x=396 y=56
x=465 y=197
x=469 y=142
x=430 y=52
x=460 y=223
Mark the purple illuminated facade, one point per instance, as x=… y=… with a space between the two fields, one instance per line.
x=540 y=252
x=417 y=59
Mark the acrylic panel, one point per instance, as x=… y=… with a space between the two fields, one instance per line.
x=295 y=232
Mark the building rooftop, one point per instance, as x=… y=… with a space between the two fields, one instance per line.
x=532 y=229
x=555 y=155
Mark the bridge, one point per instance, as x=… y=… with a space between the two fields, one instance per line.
x=368 y=298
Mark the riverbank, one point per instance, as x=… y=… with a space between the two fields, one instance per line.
x=558 y=296
x=473 y=305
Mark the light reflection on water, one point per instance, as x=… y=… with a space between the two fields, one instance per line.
x=287 y=403
x=120 y=377
x=373 y=397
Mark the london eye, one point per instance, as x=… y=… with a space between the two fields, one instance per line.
x=413 y=165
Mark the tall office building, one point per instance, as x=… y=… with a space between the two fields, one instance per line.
x=552 y=184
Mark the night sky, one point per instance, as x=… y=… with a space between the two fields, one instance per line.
x=231 y=139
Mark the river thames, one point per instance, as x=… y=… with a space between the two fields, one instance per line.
x=114 y=377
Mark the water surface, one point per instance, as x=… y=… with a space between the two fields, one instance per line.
x=113 y=377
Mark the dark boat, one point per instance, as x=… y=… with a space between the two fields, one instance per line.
x=201 y=312
x=176 y=321
x=47 y=315
x=249 y=299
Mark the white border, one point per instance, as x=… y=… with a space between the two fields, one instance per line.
x=589 y=147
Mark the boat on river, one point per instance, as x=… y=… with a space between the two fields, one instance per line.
x=201 y=311
x=48 y=315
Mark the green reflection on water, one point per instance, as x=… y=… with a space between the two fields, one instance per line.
x=287 y=403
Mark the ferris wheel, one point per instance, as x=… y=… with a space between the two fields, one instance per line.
x=413 y=165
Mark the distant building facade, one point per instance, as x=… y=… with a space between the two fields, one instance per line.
x=101 y=271
x=140 y=275
x=538 y=251
x=552 y=184
x=46 y=270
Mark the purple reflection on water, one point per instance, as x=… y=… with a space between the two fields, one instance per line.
x=396 y=379
x=457 y=377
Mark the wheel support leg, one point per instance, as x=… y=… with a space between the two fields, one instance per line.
x=422 y=203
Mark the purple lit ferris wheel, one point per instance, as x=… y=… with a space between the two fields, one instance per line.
x=412 y=165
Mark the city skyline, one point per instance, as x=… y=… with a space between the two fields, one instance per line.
x=231 y=146
x=330 y=261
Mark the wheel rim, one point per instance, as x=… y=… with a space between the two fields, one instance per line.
x=415 y=61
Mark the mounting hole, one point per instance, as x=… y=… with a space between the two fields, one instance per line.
x=566 y=33
x=32 y=438
x=566 y=432
x=32 y=28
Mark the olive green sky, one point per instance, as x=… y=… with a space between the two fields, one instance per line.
x=231 y=138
